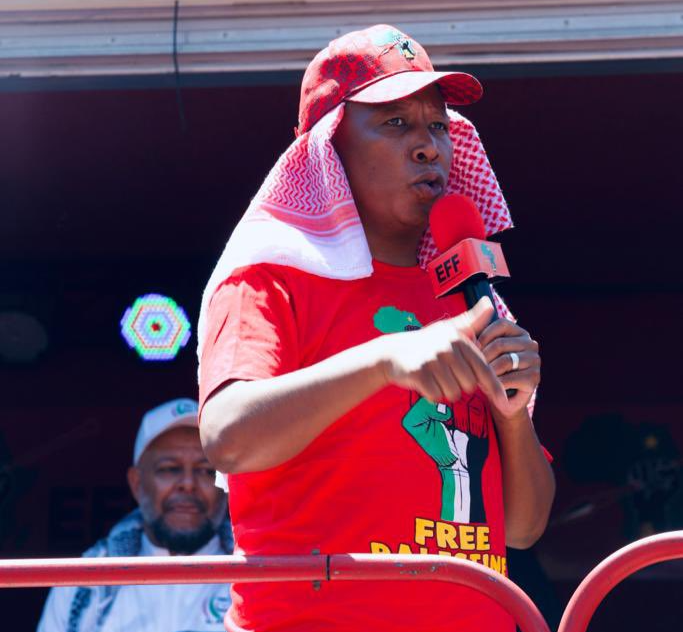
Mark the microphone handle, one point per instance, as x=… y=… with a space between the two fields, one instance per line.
x=475 y=288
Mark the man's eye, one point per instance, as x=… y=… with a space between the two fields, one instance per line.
x=440 y=125
x=397 y=121
x=206 y=472
x=169 y=469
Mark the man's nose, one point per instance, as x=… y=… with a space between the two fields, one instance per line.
x=425 y=149
x=187 y=479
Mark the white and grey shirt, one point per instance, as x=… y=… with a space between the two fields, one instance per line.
x=167 y=608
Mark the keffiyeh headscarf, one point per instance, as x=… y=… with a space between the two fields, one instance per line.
x=304 y=216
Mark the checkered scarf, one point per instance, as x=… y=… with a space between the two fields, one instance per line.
x=304 y=216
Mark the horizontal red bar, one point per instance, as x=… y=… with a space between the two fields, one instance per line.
x=197 y=569
x=181 y=569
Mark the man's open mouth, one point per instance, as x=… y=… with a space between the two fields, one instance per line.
x=429 y=186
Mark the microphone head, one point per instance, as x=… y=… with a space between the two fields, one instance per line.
x=454 y=218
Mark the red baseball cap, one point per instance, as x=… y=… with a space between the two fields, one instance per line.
x=377 y=65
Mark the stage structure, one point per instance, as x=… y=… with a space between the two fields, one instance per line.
x=128 y=43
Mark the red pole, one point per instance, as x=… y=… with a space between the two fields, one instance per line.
x=611 y=571
x=180 y=569
x=197 y=569
x=439 y=568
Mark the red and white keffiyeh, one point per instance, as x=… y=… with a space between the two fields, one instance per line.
x=304 y=215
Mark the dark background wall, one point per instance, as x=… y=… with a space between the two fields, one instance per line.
x=103 y=197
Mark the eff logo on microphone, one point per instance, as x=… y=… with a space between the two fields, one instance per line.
x=464 y=260
x=450 y=267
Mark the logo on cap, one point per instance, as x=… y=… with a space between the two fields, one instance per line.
x=183 y=408
x=395 y=39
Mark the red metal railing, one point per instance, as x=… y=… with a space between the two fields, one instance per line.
x=210 y=569
x=613 y=570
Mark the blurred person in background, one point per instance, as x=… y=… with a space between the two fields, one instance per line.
x=180 y=512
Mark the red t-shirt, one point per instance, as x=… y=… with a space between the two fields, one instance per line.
x=396 y=474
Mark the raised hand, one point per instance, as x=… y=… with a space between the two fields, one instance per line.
x=443 y=360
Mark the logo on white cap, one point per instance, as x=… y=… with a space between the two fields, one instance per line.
x=184 y=406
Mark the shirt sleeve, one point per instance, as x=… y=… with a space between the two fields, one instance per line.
x=251 y=331
x=55 y=615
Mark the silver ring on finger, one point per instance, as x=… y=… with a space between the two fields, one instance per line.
x=515 y=360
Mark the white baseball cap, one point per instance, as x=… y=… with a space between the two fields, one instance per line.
x=173 y=414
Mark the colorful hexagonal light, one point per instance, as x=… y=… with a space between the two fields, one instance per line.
x=156 y=327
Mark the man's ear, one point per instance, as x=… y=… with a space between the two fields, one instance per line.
x=133 y=476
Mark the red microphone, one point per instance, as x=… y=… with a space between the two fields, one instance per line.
x=468 y=263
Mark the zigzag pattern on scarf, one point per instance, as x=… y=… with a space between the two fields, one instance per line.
x=308 y=179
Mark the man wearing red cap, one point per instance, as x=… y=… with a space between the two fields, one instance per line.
x=352 y=411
